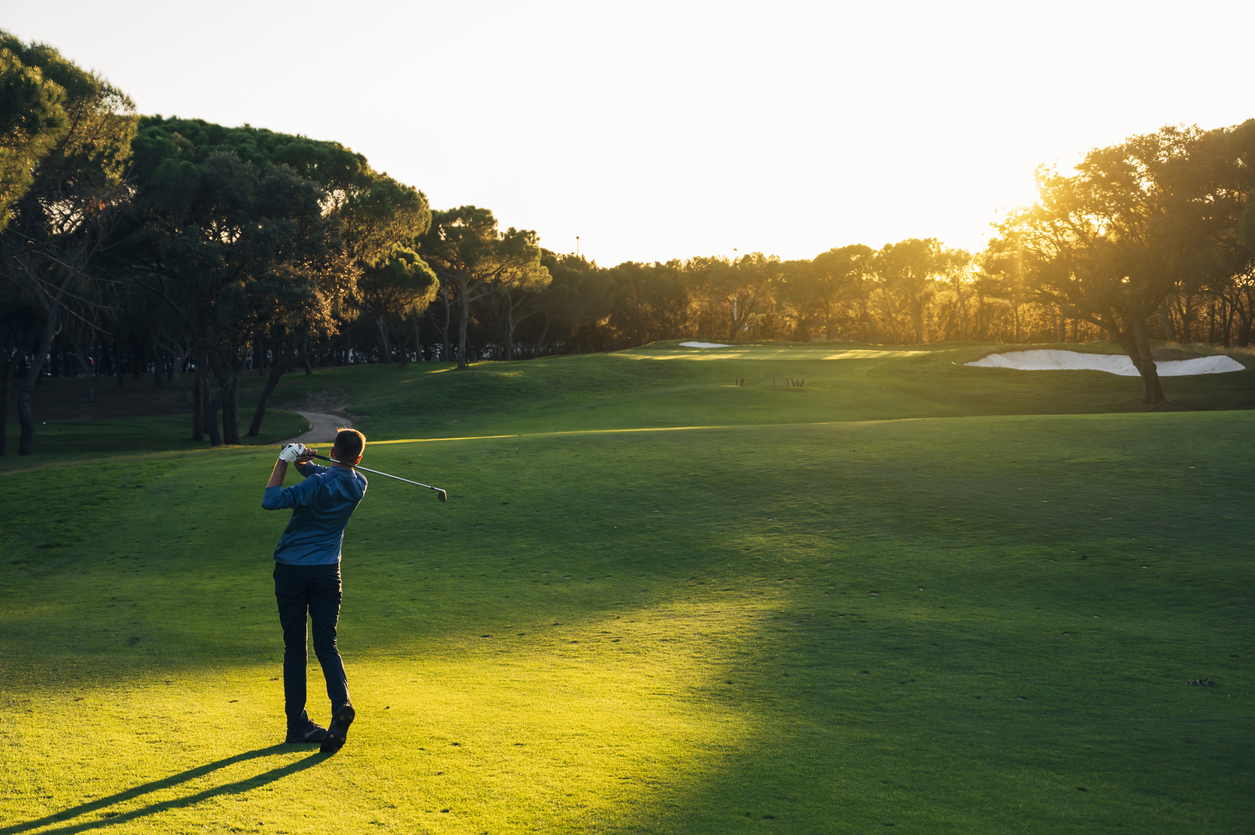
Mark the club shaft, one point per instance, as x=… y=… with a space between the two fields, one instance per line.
x=386 y=475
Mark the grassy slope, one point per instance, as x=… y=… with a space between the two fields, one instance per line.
x=664 y=385
x=791 y=627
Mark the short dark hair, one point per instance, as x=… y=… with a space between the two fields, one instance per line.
x=350 y=442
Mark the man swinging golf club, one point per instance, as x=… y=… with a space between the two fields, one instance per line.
x=307 y=576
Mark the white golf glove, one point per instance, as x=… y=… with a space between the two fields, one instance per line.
x=291 y=452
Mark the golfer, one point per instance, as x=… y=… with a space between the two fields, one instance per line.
x=307 y=576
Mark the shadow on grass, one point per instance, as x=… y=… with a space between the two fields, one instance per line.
x=111 y=819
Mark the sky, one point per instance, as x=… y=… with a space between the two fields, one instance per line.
x=650 y=131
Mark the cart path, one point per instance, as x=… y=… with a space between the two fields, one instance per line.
x=322 y=427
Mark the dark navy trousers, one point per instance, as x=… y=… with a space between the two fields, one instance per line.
x=314 y=589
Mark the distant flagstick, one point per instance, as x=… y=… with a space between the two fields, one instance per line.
x=440 y=494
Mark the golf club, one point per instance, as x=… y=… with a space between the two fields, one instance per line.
x=440 y=494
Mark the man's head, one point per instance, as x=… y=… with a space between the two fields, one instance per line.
x=348 y=447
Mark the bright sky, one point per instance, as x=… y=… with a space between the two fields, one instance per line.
x=657 y=130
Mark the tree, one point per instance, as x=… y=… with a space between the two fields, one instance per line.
x=1111 y=242
x=32 y=118
x=1221 y=177
x=956 y=272
x=735 y=294
x=400 y=286
x=801 y=297
x=841 y=275
x=908 y=270
x=521 y=298
x=376 y=212
x=561 y=302
x=583 y=295
x=651 y=301
x=71 y=194
x=472 y=259
x=21 y=321
x=1003 y=276
x=235 y=250
x=369 y=217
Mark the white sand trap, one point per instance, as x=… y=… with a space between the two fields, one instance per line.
x=703 y=345
x=1054 y=360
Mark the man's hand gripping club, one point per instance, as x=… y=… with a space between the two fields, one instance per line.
x=290 y=454
x=296 y=453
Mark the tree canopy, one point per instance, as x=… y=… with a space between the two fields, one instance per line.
x=67 y=137
x=1136 y=223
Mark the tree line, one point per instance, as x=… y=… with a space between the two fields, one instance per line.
x=136 y=245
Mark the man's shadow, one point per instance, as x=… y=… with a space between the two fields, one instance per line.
x=238 y=787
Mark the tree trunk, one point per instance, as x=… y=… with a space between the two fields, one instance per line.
x=117 y=359
x=509 y=328
x=1136 y=343
x=272 y=382
x=385 y=349
x=418 y=338
x=448 y=316
x=156 y=362
x=176 y=374
x=543 y=333
x=1244 y=325
x=200 y=395
x=231 y=405
x=463 y=362
x=26 y=443
x=403 y=347
x=10 y=362
x=893 y=328
x=285 y=358
x=211 y=419
x=88 y=371
x=871 y=323
x=1165 y=320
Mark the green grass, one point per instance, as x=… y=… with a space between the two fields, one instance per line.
x=664 y=385
x=810 y=618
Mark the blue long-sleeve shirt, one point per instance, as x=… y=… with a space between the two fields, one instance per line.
x=321 y=505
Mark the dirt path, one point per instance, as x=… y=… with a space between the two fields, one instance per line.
x=322 y=427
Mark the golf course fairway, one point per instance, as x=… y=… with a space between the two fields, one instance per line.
x=669 y=593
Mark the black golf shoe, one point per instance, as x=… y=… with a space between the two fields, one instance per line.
x=338 y=730
x=309 y=732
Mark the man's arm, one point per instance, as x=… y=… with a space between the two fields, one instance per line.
x=272 y=500
x=278 y=473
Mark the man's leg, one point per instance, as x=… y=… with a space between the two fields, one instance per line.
x=324 y=612
x=290 y=593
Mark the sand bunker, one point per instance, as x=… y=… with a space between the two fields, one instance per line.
x=703 y=345
x=1054 y=360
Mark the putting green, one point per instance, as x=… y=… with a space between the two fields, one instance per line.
x=950 y=623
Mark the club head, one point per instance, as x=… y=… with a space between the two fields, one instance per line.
x=442 y=495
